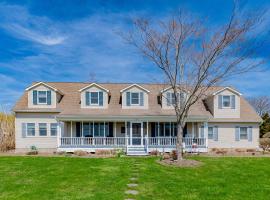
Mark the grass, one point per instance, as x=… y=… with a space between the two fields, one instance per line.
x=80 y=178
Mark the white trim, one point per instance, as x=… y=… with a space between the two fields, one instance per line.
x=42 y=83
x=93 y=84
x=227 y=88
x=134 y=85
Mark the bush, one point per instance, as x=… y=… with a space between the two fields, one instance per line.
x=33 y=151
x=80 y=153
x=265 y=144
x=103 y=152
x=174 y=154
x=7 y=132
x=120 y=153
x=154 y=153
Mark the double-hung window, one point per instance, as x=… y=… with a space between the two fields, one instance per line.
x=210 y=133
x=94 y=98
x=135 y=98
x=42 y=97
x=226 y=101
x=53 y=129
x=42 y=129
x=243 y=133
x=31 y=129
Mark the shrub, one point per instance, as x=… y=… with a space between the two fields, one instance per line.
x=119 y=153
x=104 y=152
x=265 y=144
x=7 y=132
x=80 y=153
x=154 y=153
x=33 y=150
x=174 y=154
x=166 y=156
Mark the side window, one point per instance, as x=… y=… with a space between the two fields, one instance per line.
x=31 y=129
x=53 y=129
x=243 y=133
x=42 y=129
x=210 y=133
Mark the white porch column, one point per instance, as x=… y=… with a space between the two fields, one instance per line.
x=71 y=129
x=59 y=135
x=142 y=133
x=114 y=124
x=126 y=140
x=205 y=124
x=193 y=134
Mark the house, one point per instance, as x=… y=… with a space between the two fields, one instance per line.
x=138 y=118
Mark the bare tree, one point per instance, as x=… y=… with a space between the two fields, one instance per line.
x=193 y=57
x=261 y=104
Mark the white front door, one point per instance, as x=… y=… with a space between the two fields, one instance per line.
x=136 y=134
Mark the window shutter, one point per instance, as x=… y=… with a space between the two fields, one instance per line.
x=23 y=130
x=87 y=98
x=219 y=101
x=49 y=97
x=237 y=133
x=168 y=98
x=128 y=98
x=100 y=98
x=202 y=132
x=233 y=101
x=215 y=131
x=34 y=97
x=250 y=134
x=141 y=99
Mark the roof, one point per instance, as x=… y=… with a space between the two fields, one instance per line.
x=134 y=85
x=93 y=84
x=46 y=85
x=227 y=88
x=70 y=103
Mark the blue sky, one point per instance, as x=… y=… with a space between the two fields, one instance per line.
x=72 y=40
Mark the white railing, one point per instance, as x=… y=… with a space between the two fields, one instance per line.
x=125 y=141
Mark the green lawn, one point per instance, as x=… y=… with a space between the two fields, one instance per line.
x=80 y=178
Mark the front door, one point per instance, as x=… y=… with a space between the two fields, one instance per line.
x=136 y=134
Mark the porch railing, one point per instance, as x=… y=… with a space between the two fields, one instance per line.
x=124 y=141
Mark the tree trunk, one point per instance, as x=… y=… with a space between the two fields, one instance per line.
x=179 y=143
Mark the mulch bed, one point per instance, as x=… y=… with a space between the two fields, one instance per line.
x=181 y=163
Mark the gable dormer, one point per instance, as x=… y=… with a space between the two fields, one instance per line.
x=42 y=95
x=94 y=96
x=134 y=97
x=168 y=98
x=225 y=103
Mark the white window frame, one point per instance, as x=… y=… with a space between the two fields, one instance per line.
x=27 y=124
x=230 y=101
x=90 y=99
x=241 y=127
x=55 y=130
x=39 y=129
x=134 y=104
x=210 y=127
x=38 y=93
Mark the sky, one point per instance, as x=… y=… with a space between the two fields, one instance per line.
x=79 y=41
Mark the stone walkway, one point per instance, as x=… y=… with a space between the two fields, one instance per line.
x=131 y=190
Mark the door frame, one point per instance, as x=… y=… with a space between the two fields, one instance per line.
x=131 y=132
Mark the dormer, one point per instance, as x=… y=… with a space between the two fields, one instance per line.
x=42 y=95
x=94 y=96
x=168 y=98
x=225 y=103
x=134 y=97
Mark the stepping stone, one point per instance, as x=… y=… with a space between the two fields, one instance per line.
x=133 y=192
x=133 y=179
x=132 y=185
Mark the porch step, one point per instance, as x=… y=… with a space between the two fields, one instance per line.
x=136 y=151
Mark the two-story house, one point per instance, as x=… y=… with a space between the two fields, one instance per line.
x=136 y=117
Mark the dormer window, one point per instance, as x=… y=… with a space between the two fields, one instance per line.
x=226 y=101
x=135 y=98
x=42 y=97
x=94 y=98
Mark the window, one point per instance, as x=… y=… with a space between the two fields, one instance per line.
x=31 y=129
x=53 y=129
x=86 y=130
x=94 y=98
x=42 y=97
x=210 y=133
x=42 y=129
x=123 y=130
x=243 y=133
x=226 y=101
x=135 y=98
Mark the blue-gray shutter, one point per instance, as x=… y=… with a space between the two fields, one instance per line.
x=233 y=101
x=215 y=132
x=141 y=99
x=23 y=130
x=202 y=132
x=128 y=98
x=49 y=97
x=219 y=101
x=87 y=98
x=250 y=133
x=34 y=97
x=168 y=98
x=100 y=98
x=237 y=133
